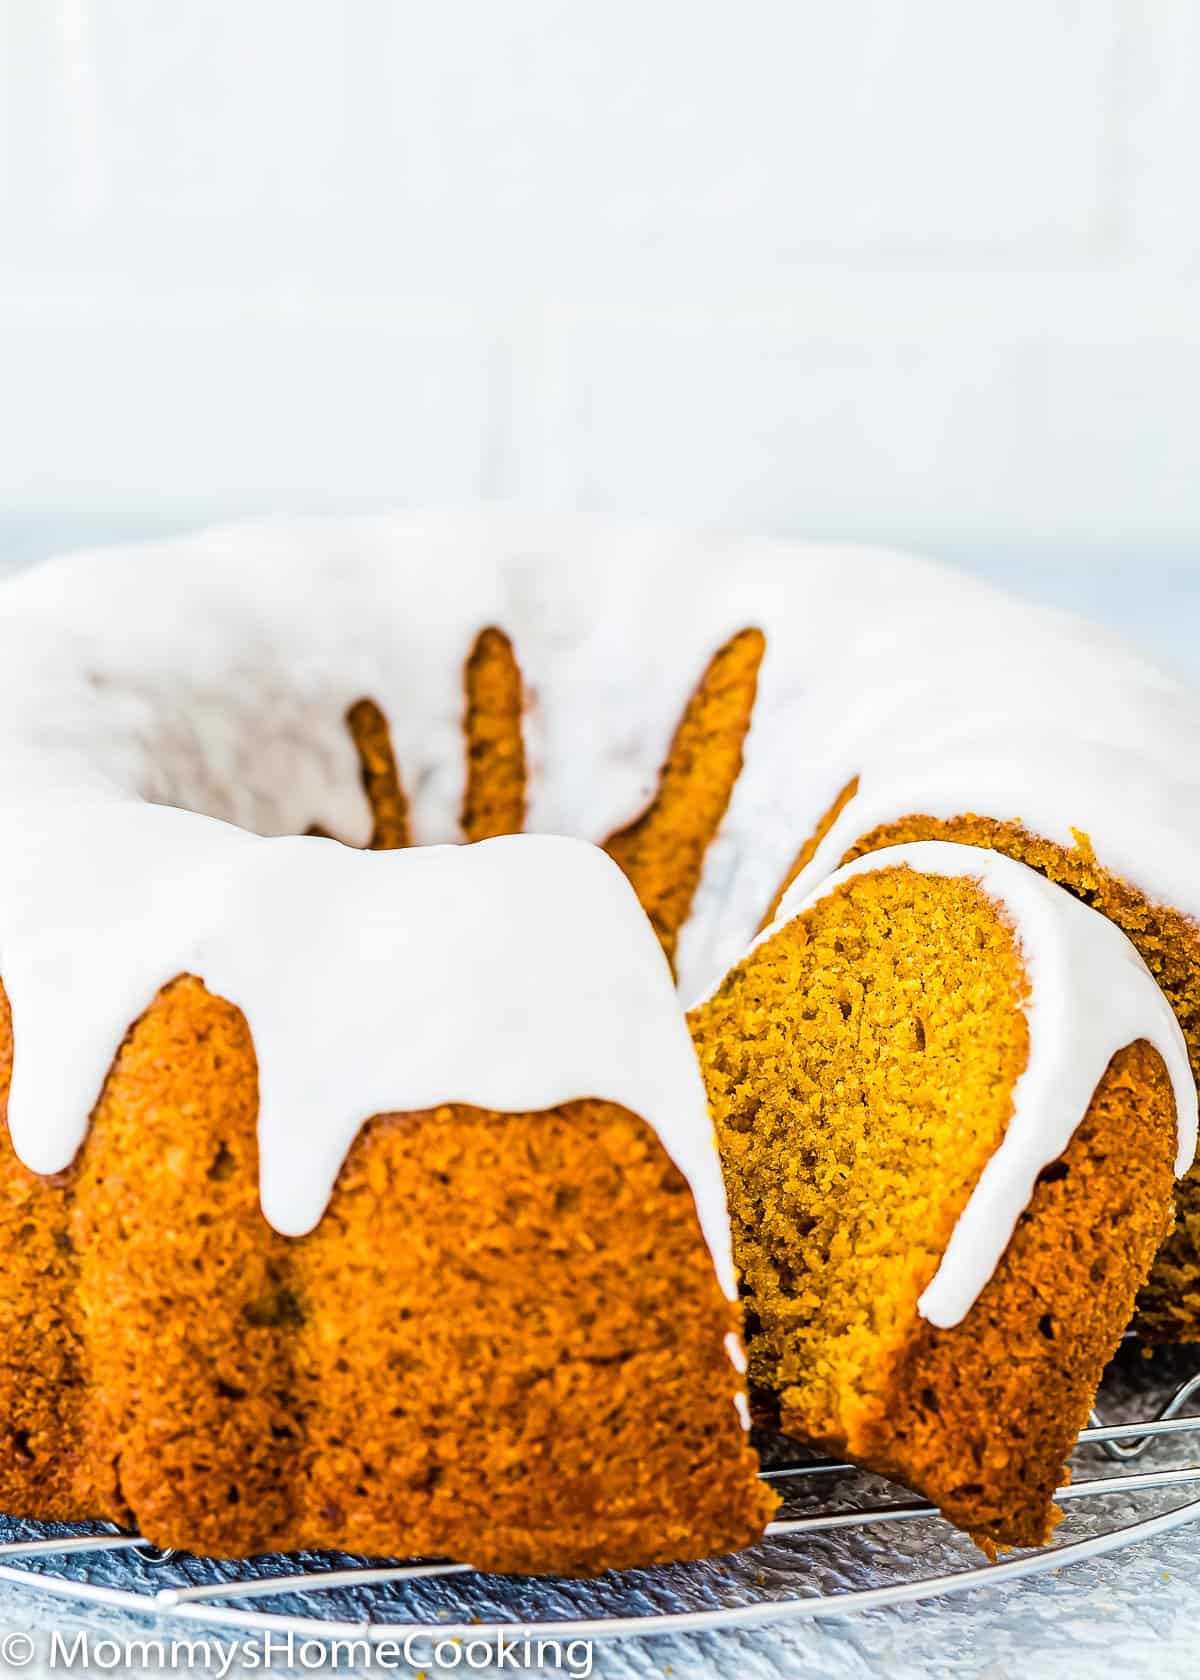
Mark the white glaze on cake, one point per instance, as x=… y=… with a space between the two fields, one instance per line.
x=515 y=974
x=228 y=660
x=213 y=674
x=1090 y=995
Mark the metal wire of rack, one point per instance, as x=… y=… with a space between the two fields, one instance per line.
x=828 y=1557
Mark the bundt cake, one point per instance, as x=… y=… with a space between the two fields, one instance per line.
x=253 y=1069
x=935 y=1080
x=507 y=1334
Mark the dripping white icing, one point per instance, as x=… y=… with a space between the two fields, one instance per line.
x=1090 y=995
x=213 y=674
x=737 y=1358
x=515 y=974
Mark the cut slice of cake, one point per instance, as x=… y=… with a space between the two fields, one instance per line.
x=949 y=1100
x=1166 y=937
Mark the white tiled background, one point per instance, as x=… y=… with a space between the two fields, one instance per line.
x=924 y=271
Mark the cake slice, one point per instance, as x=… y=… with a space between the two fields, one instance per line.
x=1166 y=937
x=949 y=1100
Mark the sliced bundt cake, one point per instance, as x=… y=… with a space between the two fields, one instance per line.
x=949 y=1099
x=209 y=994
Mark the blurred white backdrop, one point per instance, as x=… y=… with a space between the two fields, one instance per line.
x=925 y=273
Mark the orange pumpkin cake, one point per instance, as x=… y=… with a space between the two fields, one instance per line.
x=359 y=1187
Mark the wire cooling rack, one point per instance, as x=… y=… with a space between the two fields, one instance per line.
x=844 y=1541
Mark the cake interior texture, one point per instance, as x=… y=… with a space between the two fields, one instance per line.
x=860 y=1064
x=1168 y=1307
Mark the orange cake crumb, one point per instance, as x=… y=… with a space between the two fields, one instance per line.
x=1169 y=943
x=860 y=1065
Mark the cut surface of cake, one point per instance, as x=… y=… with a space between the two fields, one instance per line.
x=1167 y=939
x=950 y=1101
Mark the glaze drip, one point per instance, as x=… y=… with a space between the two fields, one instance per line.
x=172 y=717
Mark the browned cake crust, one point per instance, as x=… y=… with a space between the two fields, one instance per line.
x=495 y=798
x=860 y=1066
x=380 y=777
x=1168 y=1308
x=503 y=1342
x=662 y=852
